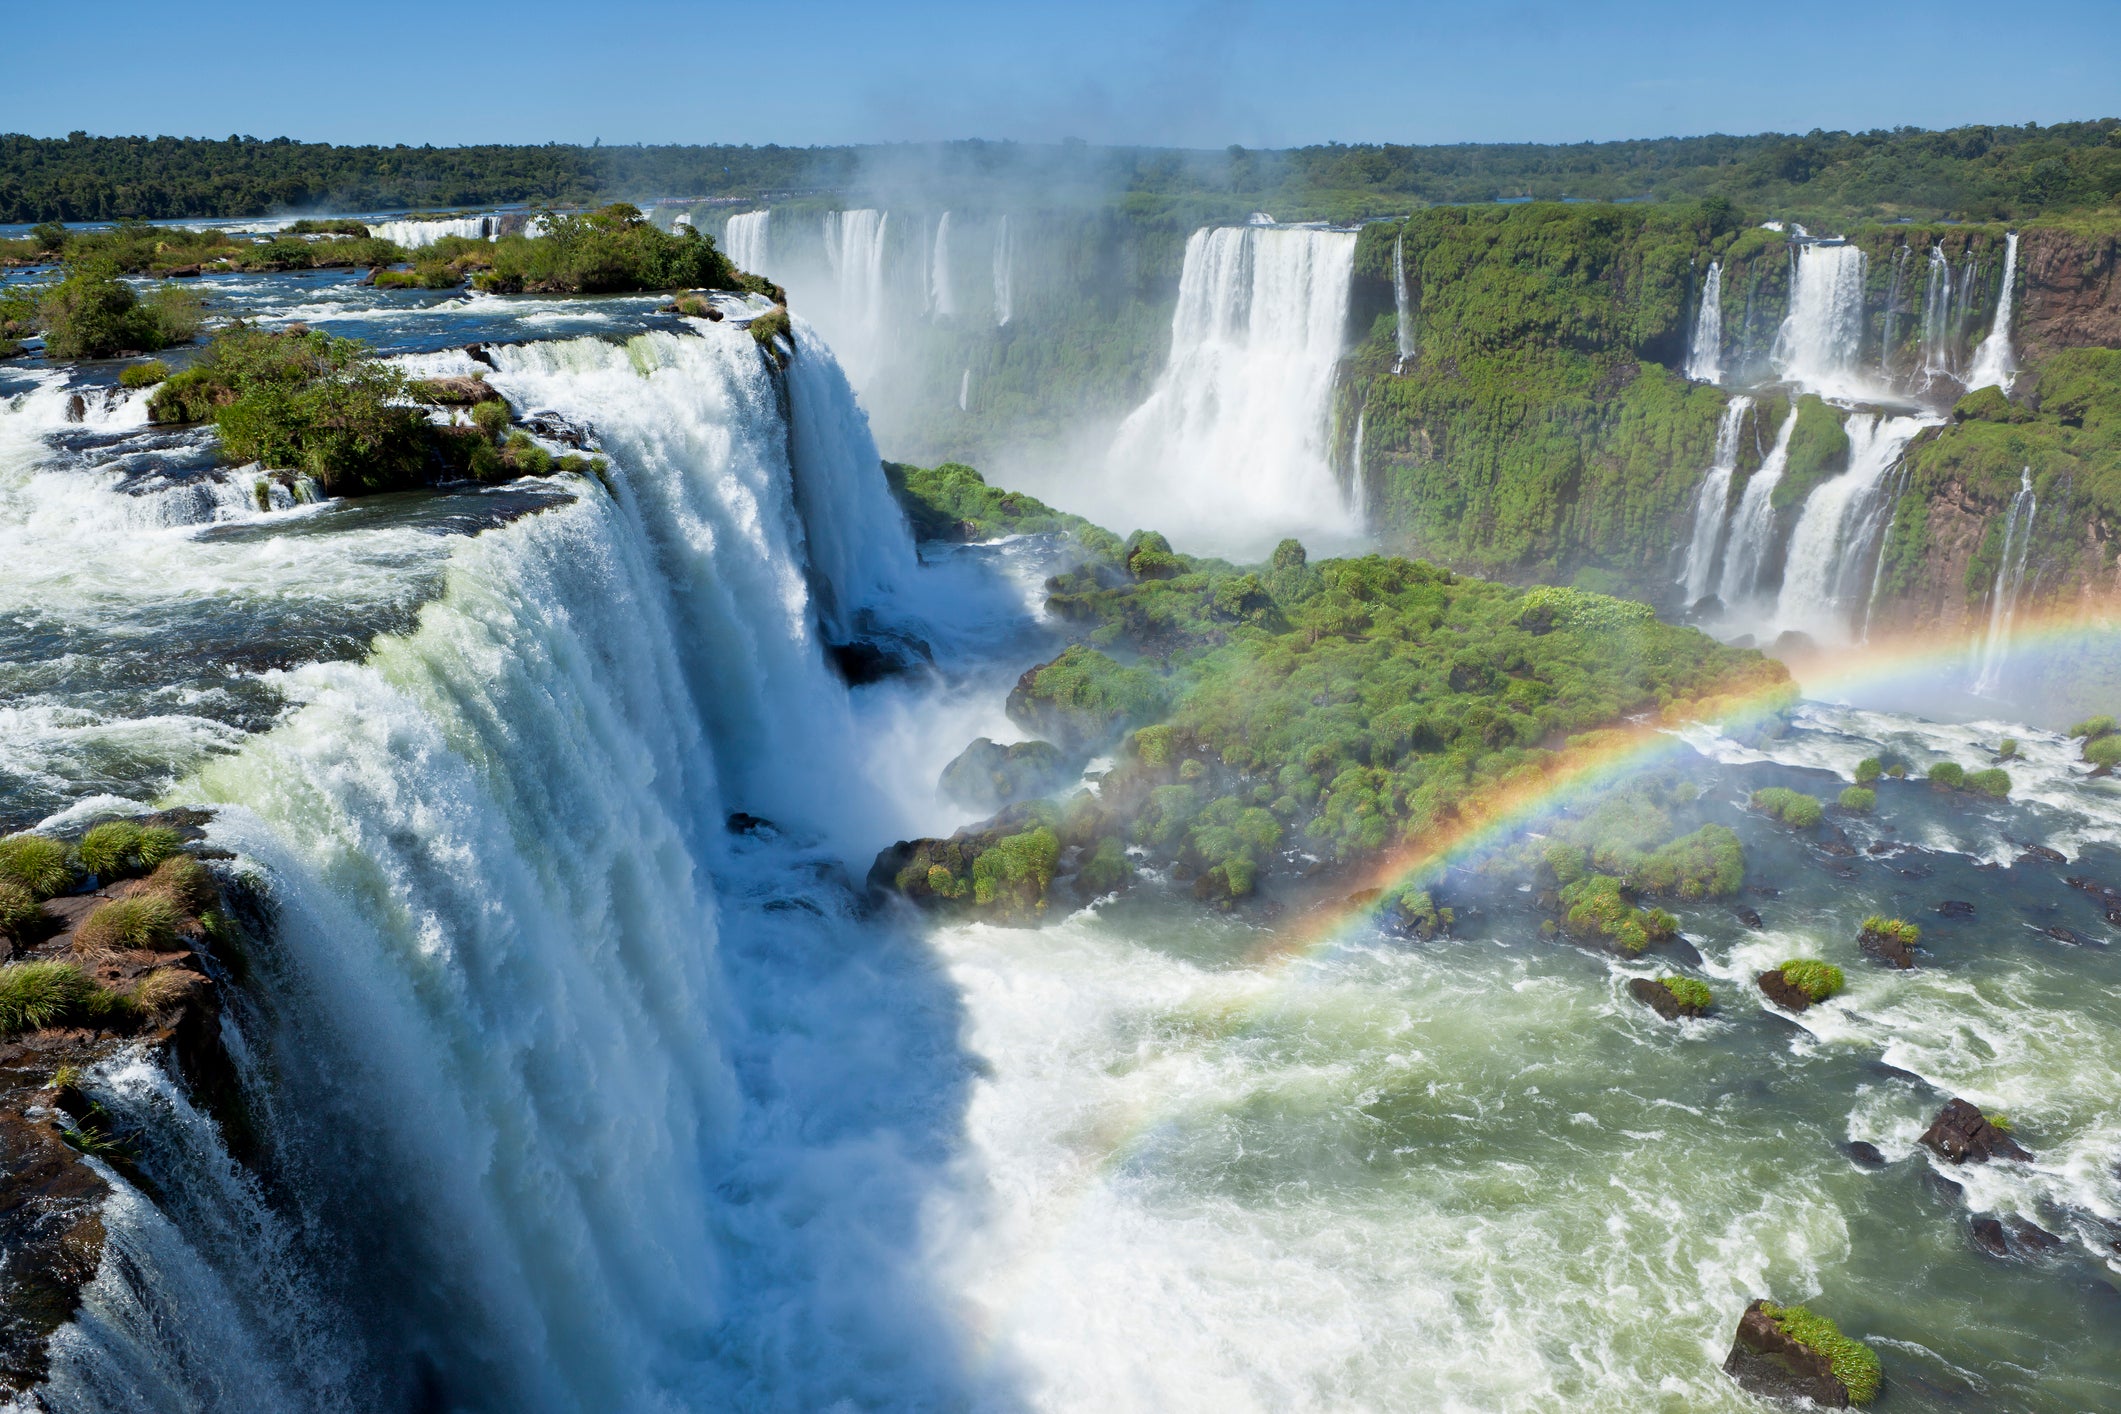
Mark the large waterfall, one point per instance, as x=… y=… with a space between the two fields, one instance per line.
x=1231 y=448
x=1995 y=364
x=1704 y=360
x=1403 y=321
x=1827 y=572
x=1711 y=502
x=414 y=234
x=744 y=239
x=1820 y=344
x=1753 y=526
x=2010 y=583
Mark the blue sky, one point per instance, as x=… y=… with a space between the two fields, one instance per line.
x=1201 y=73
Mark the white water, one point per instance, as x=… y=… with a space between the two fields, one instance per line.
x=854 y=260
x=1004 y=274
x=414 y=234
x=1753 y=526
x=1230 y=450
x=1995 y=363
x=1403 y=326
x=942 y=294
x=1711 y=502
x=1704 y=360
x=1820 y=344
x=964 y=390
x=1937 y=319
x=744 y=239
x=2010 y=581
x=1825 y=574
x=1358 y=483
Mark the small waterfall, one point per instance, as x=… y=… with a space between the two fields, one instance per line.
x=1358 y=487
x=744 y=240
x=964 y=390
x=414 y=234
x=1403 y=328
x=1825 y=574
x=1937 y=319
x=942 y=297
x=2010 y=582
x=1004 y=275
x=1995 y=364
x=1233 y=441
x=1821 y=340
x=1704 y=360
x=1753 y=527
x=1711 y=502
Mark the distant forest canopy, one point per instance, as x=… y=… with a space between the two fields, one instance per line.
x=1970 y=173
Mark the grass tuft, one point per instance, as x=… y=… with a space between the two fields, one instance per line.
x=1854 y=1363
x=34 y=995
x=116 y=849
x=37 y=864
x=144 y=922
x=1793 y=808
x=1817 y=980
x=1689 y=991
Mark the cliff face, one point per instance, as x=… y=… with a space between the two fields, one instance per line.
x=2072 y=290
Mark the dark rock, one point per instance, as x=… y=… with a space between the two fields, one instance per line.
x=1956 y=908
x=985 y=776
x=1945 y=1187
x=2063 y=935
x=1782 y=991
x=1682 y=951
x=1839 y=849
x=1917 y=871
x=76 y=408
x=2033 y=1237
x=868 y=660
x=1658 y=998
x=741 y=822
x=1962 y=1134
x=1766 y=1362
x=2094 y=888
x=2041 y=851
x=2113 y=916
x=1988 y=1236
x=1749 y=917
x=1888 y=950
x=1882 y=847
x=1765 y=891
x=480 y=355
x=555 y=428
x=1865 y=1154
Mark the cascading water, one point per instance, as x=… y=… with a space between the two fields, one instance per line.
x=1004 y=274
x=744 y=239
x=414 y=234
x=942 y=295
x=1358 y=486
x=1711 y=502
x=2010 y=581
x=1937 y=319
x=1403 y=326
x=964 y=390
x=1232 y=445
x=1704 y=361
x=1753 y=526
x=1826 y=575
x=854 y=251
x=1995 y=364
x=1820 y=344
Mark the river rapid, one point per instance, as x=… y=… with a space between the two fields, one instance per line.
x=577 y=1099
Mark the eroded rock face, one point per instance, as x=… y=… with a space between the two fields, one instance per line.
x=2072 y=292
x=1961 y=1134
x=1766 y=1362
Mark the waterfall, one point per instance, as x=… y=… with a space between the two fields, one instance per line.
x=854 y=251
x=1937 y=319
x=2010 y=581
x=1995 y=365
x=942 y=299
x=964 y=389
x=1004 y=275
x=1711 y=502
x=583 y=1136
x=1358 y=487
x=1753 y=526
x=1403 y=328
x=744 y=239
x=414 y=234
x=1838 y=530
x=1821 y=340
x=1704 y=360
x=1233 y=441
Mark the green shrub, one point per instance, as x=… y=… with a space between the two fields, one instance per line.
x=34 y=995
x=2000 y=1121
x=1869 y=769
x=38 y=865
x=1709 y=863
x=397 y=280
x=1897 y=770
x=525 y=456
x=2104 y=751
x=1853 y=1363
x=2092 y=728
x=1817 y=980
x=1689 y=991
x=2008 y=748
x=186 y=883
x=1948 y=774
x=1597 y=907
x=491 y=417
x=1792 y=808
x=1859 y=799
x=772 y=325
x=94 y=314
x=144 y=375
x=1879 y=928
x=1021 y=864
x=598 y=252
x=144 y=921
x=19 y=910
x=1994 y=782
x=117 y=848
x=1413 y=910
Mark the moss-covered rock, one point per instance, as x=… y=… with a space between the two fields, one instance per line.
x=1790 y=1352
x=988 y=776
x=1084 y=699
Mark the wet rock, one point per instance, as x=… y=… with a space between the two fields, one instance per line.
x=2094 y=888
x=1885 y=947
x=1988 y=1236
x=872 y=659
x=1839 y=849
x=1765 y=891
x=1766 y=1362
x=1882 y=847
x=76 y=408
x=2033 y=1237
x=986 y=775
x=453 y=392
x=1782 y=991
x=1916 y=871
x=1956 y=908
x=2041 y=851
x=743 y=822
x=1749 y=917
x=2063 y=935
x=1949 y=1188
x=1865 y=1154
x=479 y=354
x=2113 y=916
x=1658 y=998
x=555 y=428
x=1962 y=1134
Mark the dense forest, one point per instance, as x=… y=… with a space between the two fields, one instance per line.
x=1979 y=172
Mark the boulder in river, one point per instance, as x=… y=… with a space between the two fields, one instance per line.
x=1671 y=997
x=1787 y=1352
x=1956 y=908
x=2041 y=851
x=1962 y=1134
x=1864 y=1154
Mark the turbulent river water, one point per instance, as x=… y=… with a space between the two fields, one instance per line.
x=576 y=1100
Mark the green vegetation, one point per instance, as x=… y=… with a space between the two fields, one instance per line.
x=2000 y=1121
x=1819 y=450
x=1994 y=782
x=94 y=314
x=118 y=849
x=771 y=328
x=1628 y=834
x=143 y=921
x=1817 y=980
x=2092 y=728
x=612 y=249
x=37 y=865
x=1689 y=991
x=2103 y=751
x=144 y=375
x=1852 y=1362
x=1084 y=698
x=2007 y=749
x=1859 y=800
x=34 y=995
x=1878 y=928
x=1793 y=808
x=137 y=248
x=1869 y=769
x=1413 y=911
x=953 y=502
x=1948 y=774
x=1597 y=907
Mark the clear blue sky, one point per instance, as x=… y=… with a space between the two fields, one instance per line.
x=1151 y=71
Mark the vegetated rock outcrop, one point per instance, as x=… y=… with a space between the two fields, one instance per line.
x=987 y=775
x=113 y=957
x=1790 y=1353
x=1890 y=940
x=1961 y=1134
x=1671 y=997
